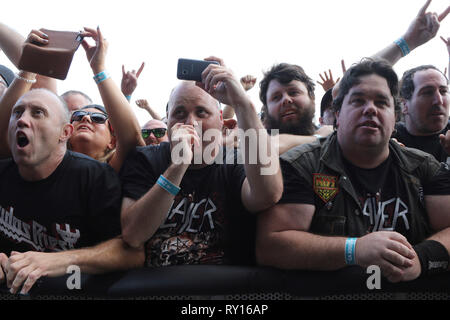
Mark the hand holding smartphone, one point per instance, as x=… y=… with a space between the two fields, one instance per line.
x=189 y=69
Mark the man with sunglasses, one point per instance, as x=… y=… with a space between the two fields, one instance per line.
x=154 y=132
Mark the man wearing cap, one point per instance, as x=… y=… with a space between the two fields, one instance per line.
x=357 y=197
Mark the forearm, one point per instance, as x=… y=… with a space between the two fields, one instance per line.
x=11 y=43
x=153 y=113
x=261 y=160
x=443 y=237
x=143 y=218
x=301 y=250
x=289 y=141
x=111 y=255
x=17 y=88
x=391 y=54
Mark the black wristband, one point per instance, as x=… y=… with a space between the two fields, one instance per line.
x=433 y=256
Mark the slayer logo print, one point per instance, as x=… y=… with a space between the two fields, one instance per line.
x=325 y=186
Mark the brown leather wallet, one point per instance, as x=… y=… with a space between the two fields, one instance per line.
x=52 y=59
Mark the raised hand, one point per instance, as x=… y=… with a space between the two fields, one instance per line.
x=143 y=104
x=95 y=54
x=424 y=27
x=220 y=82
x=129 y=80
x=248 y=82
x=328 y=81
x=447 y=43
x=183 y=139
x=37 y=36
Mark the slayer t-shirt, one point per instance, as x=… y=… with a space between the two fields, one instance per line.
x=381 y=193
x=77 y=206
x=206 y=223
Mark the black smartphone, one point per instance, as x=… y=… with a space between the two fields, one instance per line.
x=189 y=69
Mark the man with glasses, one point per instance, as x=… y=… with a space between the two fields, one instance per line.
x=154 y=132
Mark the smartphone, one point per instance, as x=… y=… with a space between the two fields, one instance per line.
x=189 y=69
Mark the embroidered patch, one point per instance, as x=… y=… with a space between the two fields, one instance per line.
x=325 y=186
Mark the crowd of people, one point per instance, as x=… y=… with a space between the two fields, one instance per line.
x=83 y=184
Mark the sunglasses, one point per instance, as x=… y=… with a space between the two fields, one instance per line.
x=96 y=117
x=158 y=132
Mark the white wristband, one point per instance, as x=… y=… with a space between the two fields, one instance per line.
x=25 y=79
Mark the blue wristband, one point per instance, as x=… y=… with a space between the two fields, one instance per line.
x=350 y=245
x=401 y=43
x=167 y=185
x=128 y=98
x=101 y=76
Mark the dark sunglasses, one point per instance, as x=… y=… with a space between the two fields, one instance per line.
x=158 y=132
x=96 y=117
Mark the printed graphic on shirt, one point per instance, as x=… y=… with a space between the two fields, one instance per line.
x=191 y=234
x=388 y=215
x=325 y=186
x=62 y=237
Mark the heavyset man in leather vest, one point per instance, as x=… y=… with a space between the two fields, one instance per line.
x=357 y=197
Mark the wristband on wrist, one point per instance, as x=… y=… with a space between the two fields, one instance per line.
x=433 y=257
x=318 y=136
x=350 y=245
x=167 y=185
x=101 y=76
x=25 y=79
x=128 y=98
x=404 y=48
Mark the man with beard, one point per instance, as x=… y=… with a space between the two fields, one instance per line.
x=287 y=94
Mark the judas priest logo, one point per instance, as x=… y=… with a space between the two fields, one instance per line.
x=325 y=186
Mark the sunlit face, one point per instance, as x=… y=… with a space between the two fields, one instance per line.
x=427 y=111
x=36 y=128
x=91 y=137
x=367 y=115
x=288 y=105
x=151 y=139
x=191 y=105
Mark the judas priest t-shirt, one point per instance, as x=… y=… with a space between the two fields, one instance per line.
x=206 y=223
x=77 y=206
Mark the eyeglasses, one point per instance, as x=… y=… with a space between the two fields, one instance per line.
x=96 y=117
x=158 y=132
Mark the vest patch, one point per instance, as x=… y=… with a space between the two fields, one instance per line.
x=325 y=186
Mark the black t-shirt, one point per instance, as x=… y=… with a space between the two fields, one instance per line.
x=377 y=188
x=207 y=222
x=78 y=205
x=429 y=144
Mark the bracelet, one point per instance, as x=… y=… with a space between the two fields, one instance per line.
x=25 y=79
x=401 y=43
x=433 y=257
x=167 y=185
x=318 y=136
x=101 y=76
x=128 y=98
x=350 y=245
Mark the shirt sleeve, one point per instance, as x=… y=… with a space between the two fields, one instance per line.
x=439 y=183
x=137 y=176
x=295 y=188
x=105 y=199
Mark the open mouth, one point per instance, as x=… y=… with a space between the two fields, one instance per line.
x=22 y=140
x=370 y=124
